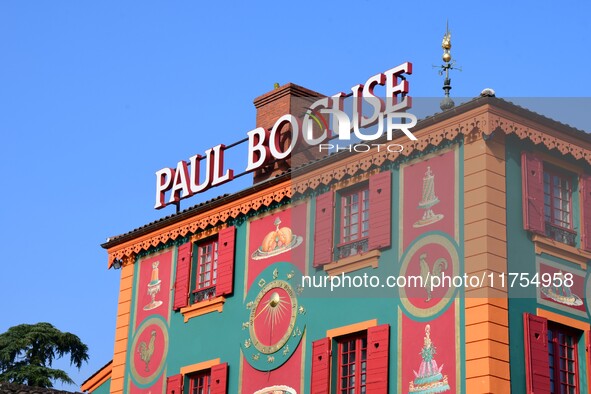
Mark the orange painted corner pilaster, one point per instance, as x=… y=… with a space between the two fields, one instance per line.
x=121 y=330
x=487 y=348
x=487 y=384
x=485 y=261
x=485 y=248
x=486 y=244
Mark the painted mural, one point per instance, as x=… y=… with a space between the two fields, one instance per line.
x=148 y=347
x=430 y=377
x=429 y=200
x=428 y=316
x=274 y=318
x=561 y=287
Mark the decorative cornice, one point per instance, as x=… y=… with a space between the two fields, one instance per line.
x=539 y=134
x=475 y=122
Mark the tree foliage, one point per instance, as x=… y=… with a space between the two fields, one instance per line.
x=27 y=352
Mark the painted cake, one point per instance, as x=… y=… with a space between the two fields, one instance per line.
x=429 y=379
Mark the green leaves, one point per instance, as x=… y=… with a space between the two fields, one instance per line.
x=27 y=352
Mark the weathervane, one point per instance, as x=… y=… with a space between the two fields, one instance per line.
x=447 y=102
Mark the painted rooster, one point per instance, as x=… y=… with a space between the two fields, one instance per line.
x=428 y=274
x=146 y=351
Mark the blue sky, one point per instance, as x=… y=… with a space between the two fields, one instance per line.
x=97 y=96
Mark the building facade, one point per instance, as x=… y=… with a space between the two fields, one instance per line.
x=458 y=264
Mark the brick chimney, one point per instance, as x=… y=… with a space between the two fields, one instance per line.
x=287 y=99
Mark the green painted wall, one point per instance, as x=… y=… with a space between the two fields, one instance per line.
x=104 y=388
x=521 y=257
x=217 y=335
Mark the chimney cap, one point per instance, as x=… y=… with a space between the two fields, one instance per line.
x=290 y=89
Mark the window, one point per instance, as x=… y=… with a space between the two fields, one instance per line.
x=548 y=196
x=348 y=233
x=202 y=378
x=204 y=273
x=206 y=270
x=358 y=351
x=352 y=364
x=558 y=207
x=551 y=355
x=354 y=222
x=562 y=358
x=200 y=382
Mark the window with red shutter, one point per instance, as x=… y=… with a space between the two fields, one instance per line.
x=362 y=362
x=551 y=356
x=205 y=270
x=354 y=221
x=558 y=215
x=200 y=382
x=548 y=201
x=563 y=360
x=213 y=270
x=209 y=381
x=352 y=364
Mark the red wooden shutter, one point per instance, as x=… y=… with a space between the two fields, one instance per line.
x=586 y=212
x=225 y=261
x=320 y=381
x=533 y=193
x=323 y=227
x=174 y=384
x=536 y=354
x=183 y=269
x=378 y=351
x=380 y=207
x=219 y=378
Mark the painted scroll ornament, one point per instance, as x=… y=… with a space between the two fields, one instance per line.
x=276 y=242
x=429 y=379
x=429 y=199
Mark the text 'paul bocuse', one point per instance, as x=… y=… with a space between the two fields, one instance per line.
x=202 y=172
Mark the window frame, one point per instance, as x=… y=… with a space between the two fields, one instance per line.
x=554 y=355
x=362 y=190
x=195 y=376
x=562 y=175
x=196 y=287
x=360 y=363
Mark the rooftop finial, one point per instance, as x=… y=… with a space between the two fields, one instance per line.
x=447 y=102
